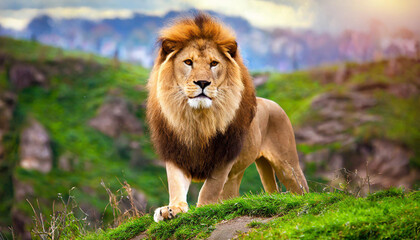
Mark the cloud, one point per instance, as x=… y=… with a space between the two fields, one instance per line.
x=263 y=14
x=145 y=5
x=266 y=14
x=336 y=15
x=18 y=19
x=320 y=15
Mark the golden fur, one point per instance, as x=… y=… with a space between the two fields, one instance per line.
x=197 y=139
x=206 y=122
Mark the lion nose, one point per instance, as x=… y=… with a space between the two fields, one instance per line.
x=203 y=84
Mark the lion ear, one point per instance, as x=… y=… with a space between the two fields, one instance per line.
x=168 y=46
x=231 y=48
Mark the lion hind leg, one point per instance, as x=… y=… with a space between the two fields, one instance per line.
x=288 y=172
x=267 y=175
x=231 y=187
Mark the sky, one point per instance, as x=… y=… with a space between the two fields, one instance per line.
x=331 y=16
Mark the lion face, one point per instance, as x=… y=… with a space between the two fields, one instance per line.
x=198 y=82
x=200 y=71
x=199 y=89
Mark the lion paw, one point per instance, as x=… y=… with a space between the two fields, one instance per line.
x=168 y=212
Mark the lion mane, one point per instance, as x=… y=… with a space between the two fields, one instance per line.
x=199 y=141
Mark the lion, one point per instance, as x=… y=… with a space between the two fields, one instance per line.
x=206 y=123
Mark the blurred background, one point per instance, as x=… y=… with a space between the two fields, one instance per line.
x=72 y=98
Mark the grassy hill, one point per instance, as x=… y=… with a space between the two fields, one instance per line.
x=90 y=166
x=76 y=85
x=391 y=214
x=75 y=90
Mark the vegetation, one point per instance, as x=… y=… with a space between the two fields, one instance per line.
x=80 y=83
x=391 y=214
x=64 y=109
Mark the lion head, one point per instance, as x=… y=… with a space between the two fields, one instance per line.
x=199 y=87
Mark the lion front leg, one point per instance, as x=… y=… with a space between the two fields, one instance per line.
x=178 y=184
x=212 y=188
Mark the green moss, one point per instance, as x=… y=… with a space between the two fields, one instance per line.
x=293 y=92
x=198 y=221
x=306 y=148
x=64 y=108
x=399 y=118
x=255 y=224
x=393 y=213
x=34 y=51
x=4 y=83
x=392 y=192
x=73 y=98
x=350 y=218
x=126 y=230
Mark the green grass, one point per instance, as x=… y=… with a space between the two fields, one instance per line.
x=64 y=109
x=388 y=215
x=392 y=213
x=72 y=98
x=126 y=230
x=34 y=51
x=400 y=118
x=293 y=92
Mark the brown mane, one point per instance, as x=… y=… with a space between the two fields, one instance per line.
x=202 y=157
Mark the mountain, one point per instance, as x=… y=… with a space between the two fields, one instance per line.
x=73 y=129
x=134 y=39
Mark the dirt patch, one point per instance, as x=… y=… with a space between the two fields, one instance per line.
x=229 y=229
x=225 y=229
x=142 y=235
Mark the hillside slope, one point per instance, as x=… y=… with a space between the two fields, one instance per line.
x=354 y=120
x=72 y=133
x=391 y=214
x=70 y=122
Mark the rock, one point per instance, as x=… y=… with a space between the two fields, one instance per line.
x=24 y=75
x=324 y=76
x=342 y=74
x=67 y=162
x=139 y=201
x=308 y=135
x=404 y=90
x=331 y=102
x=336 y=115
x=318 y=157
x=137 y=158
x=393 y=68
x=20 y=223
x=229 y=229
x=330 y=127
x=22 y=190
x=389 y=164
x=370 y=86
x=336 y=162
x=4 y=59
x=260 y=79
x=114 y=117
x=93 y=215
x=35 y=151
x=7 y=104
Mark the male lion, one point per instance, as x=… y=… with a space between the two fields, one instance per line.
x=206 y=122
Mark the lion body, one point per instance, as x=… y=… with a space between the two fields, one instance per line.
x=206 y=122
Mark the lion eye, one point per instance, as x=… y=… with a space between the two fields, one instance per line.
x=213 y=64
x=188 y=62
